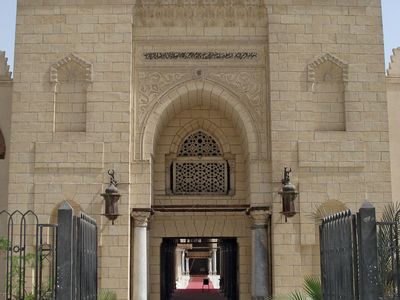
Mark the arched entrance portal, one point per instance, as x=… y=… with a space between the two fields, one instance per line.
x=199 y=267
x=199 y=155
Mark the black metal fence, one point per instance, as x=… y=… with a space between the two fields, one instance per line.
x=28 y=248
x=360 y=256
x=338 y=245
x=48 y=261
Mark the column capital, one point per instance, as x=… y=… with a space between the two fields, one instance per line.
x=259 y=215
x=141 y=216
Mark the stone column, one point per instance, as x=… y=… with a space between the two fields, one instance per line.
x=214 y=261
x=260 y=275
x=187 y=266
x=183 y=263
x=140 y=218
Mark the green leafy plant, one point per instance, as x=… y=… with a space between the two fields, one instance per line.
x=15 y=270
x=107 y=295
x=386 y=244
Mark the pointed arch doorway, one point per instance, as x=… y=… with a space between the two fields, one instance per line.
x=192 y=268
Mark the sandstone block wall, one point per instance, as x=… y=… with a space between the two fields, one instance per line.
x=315 y=101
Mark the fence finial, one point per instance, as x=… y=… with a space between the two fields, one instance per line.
x=65 y=206
x=367 y=204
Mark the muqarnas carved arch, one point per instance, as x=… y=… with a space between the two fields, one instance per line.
x=328 y=76
x=71 y=77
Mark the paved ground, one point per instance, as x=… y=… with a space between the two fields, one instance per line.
x=196 y=291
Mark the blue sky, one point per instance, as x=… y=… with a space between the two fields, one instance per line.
x=391 y=22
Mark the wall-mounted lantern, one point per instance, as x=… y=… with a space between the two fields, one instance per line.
x=111 y=197
x=289 y=194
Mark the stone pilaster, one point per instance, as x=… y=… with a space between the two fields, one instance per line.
x=260 y=279
x=140 y=221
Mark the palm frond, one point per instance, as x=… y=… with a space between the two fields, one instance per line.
x=296 y=295
x=386 y=244
x=326 y=209
x=312 y=286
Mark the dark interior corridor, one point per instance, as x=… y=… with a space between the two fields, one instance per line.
x=188 y=263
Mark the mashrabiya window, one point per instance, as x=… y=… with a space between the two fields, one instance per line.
x=200 y=168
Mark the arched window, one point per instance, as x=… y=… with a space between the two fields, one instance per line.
x=2 y=146
x=200 y=168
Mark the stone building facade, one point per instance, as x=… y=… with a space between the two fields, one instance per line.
x=5 y=122
x=167 y=93
x=393 y=96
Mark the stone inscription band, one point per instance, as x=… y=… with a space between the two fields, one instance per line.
x=199 y=55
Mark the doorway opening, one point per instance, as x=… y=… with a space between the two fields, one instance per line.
x=199 y=268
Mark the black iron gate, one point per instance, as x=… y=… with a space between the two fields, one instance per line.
x=48 y=261
x=360 y=257
x=76 y=256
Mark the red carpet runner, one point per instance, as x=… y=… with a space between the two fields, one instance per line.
x=194 y=291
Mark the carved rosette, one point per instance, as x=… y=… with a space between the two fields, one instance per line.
x=260 y=217
x=141 y=217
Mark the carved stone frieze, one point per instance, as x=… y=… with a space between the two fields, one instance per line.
x=247 y=83
x=200 y=13
x=152 y=84
x=197 y=55
x=182 y=54
x=141 y=217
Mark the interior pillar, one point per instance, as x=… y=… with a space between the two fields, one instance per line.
x=187 y=266
x=214 y=261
